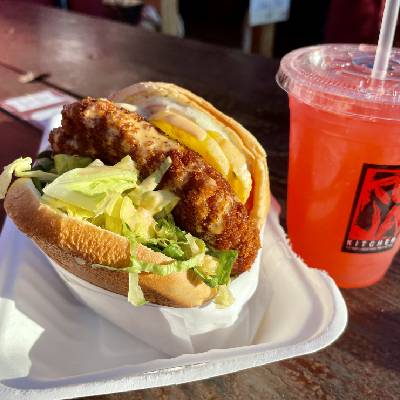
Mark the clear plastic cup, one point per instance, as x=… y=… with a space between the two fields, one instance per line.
x=344 y=161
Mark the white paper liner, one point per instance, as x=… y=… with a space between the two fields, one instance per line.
x=171 y=330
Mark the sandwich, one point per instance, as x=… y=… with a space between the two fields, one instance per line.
x=153 y=194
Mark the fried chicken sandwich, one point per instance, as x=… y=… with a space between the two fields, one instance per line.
x=153 y=194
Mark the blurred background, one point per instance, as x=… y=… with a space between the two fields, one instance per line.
x=267 y=27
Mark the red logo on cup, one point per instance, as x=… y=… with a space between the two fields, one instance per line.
x=375 y=217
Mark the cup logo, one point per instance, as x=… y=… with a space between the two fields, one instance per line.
x=374 y=222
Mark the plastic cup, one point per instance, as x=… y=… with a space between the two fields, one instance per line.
x=344 y=161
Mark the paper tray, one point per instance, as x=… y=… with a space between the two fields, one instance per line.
x=53 y=347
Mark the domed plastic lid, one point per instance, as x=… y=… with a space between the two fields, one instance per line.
x=337 y=78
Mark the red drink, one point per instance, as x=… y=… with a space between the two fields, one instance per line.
x=344 y=167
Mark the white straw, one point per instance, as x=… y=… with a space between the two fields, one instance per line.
x=386 y=35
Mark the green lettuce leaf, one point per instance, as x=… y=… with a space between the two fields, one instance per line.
x=150 y=183
x=226 y=259
x=224 y=297
x=139 y=221
x=138 y=266
x=65 y=162
x=44 y=162
x=94 y=188
x=158 y=201
x=135 y=293
x=166 y=229
x=167 y=268
x=126 y=163
x=70 y=210
x=96 y=163
x=19 y=165
x=194 y=245
x=173 y=250
x=41 y=175
x=222 y=273
x=21 y=168
x=173 y=242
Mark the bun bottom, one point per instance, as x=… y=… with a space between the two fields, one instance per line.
x=75 y=245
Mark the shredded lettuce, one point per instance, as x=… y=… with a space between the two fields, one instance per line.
x=21 y=168
x=224 y=297
x=122 y=217
x=21 y=164
x=226 y=259
x=41 y=175
x=173 y=250
x=173 y=242
x=151 y=182
x=135 y=293
x=92 y=188
x=65 y=162
x=96 y=163
x=139 y=221
x=167 y=229
x=159 y=201
x=126 y=163
x=221 y=274
x=167 y=268
x=69 y=209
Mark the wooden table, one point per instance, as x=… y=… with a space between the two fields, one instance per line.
x=87 y=56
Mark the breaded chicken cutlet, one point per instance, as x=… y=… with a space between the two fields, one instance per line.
x=208 y=207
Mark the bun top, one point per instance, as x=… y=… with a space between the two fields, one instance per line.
x=223 y=142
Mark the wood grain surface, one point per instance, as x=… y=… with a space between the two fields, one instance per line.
x=16 y=137
x=87 y=56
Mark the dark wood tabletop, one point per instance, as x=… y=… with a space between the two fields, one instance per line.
x=83 y=56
